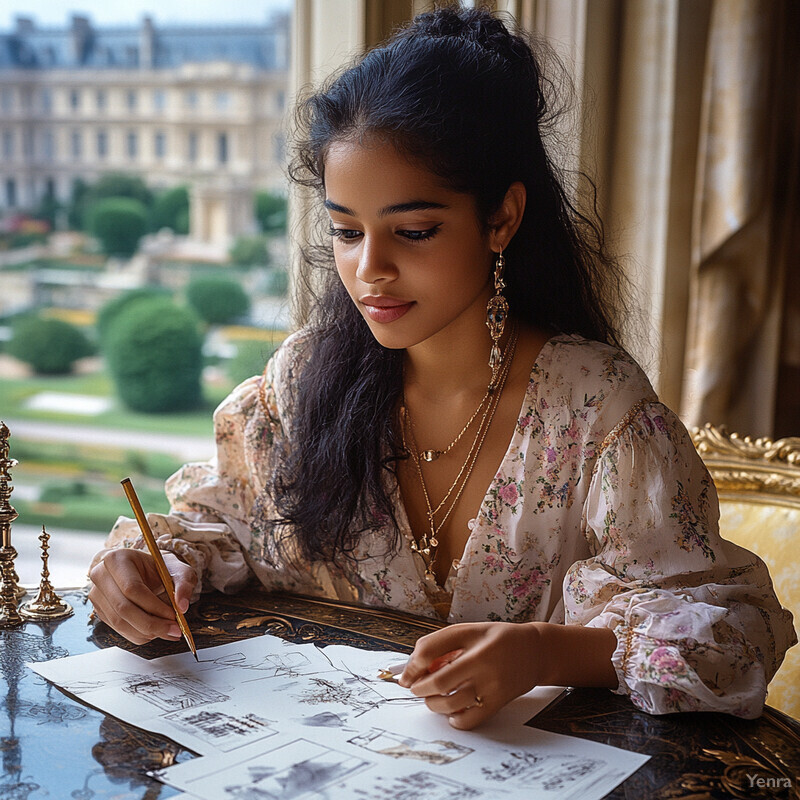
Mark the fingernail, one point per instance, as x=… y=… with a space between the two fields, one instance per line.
x=183 y=605
x=174 y=632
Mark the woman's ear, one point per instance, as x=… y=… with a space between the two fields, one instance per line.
x=507 y=219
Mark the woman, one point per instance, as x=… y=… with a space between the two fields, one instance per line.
x=464 y=339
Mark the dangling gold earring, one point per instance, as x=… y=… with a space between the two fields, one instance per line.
x=496 y=315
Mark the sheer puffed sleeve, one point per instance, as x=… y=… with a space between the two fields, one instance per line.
x=697 y=623
x=211 y=502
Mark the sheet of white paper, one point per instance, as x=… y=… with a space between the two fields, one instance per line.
x=273 y=719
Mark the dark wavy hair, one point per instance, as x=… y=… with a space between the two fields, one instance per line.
x=462 y=96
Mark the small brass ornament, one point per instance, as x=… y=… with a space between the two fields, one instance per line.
x=47 y=605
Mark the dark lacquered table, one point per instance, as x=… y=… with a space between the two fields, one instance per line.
x=55 y=747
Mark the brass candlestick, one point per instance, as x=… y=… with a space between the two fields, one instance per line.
x=10 y=590
x=47 y=605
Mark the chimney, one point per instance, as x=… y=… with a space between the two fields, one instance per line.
x=80 y=38
x=147 y=44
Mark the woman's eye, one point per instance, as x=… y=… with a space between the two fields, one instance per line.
x=344 y=233
x=420 y=236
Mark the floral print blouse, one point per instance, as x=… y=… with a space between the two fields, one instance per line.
x=601 y=514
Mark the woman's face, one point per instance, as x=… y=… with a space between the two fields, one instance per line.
x=410 y=252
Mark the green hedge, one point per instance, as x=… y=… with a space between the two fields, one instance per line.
x=154 y=353
x=217 y=300
x=50 y=346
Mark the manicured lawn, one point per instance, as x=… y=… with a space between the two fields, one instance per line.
x=15 y=392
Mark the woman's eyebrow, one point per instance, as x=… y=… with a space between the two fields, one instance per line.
x=395 y=208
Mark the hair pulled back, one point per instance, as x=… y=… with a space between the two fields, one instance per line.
x=464 y=98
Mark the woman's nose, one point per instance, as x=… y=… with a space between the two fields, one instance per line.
x=375 y=263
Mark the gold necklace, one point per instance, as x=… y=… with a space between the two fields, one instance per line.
x=427 y=545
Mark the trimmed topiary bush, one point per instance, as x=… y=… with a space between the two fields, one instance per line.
x=154 y=353
x=112 y=310
x=118 y=223
x=217 y=300
x=171 y=210
x=50 y=346
x=271 y=212
x=249 y=251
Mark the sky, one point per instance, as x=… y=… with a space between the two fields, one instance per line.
x=47 y=13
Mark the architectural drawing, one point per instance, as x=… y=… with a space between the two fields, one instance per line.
x=294 y=770
x=398 y=746
x=172 y=692
x=552 y=773
x=221 y=729
x=418 y=785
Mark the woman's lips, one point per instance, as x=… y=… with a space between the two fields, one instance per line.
x=384 y=309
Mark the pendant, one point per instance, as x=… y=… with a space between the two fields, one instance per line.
x=430 y=455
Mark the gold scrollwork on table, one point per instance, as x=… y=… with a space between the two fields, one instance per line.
x=743 y=465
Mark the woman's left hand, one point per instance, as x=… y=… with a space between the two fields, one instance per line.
x=471 y=670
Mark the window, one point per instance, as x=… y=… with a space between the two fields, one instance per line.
x=11 y=192
x=6 y=99
x=50 y=188
x=191 y=152
x=190 y=99
x=222 y=148
x=160 y=144
x=74 y=99
x=46 y=100
x=131 y=100
x=76 y=144
x=280 y=100
x=222 y=101
x=102 y=144
x=132 y=144
x=101 y=100
x=48 y=145
x=159 y=99
x=8 y=144
x=27 y=144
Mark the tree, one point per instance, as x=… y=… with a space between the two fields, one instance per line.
x=114 y=184
x=248 y=251
x=217 y=300
x=271 y=212
x=50 y=346
x=154 y=353
x=111 y=310
x=119 y=223
x=171 y=210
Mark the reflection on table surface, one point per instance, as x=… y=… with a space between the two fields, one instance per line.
x=53 y=746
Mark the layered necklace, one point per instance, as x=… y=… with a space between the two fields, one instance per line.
x=426 y=546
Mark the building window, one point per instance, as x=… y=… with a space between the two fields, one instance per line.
x=131 y=100
x=280 y=100
x=159 y=99
x=102 y=144
x=132 y=144
x=132 y=56
x=11 y=192
x=76 y=144
x=6 y=99
x=8 y=144
x=222 y=101
x=46 y=99
x=74 y=99
x=160 y=144
x=48 y=145
x=101 y=99
x=27 y=144
x=50 y=188
x=190 y=99
x=192 y=147
x=222 y=148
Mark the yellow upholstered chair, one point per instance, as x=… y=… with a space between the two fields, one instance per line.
x=759 y=490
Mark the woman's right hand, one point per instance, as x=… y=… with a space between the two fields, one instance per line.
x=128 y=595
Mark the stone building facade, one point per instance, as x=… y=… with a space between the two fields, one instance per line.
x=197 y=105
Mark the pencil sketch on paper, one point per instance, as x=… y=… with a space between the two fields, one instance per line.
x=415 y=786
x=274 y=665
x=171 y=692
x=224 y=731
x=548 y=772
x=293 y=770
x=398 y=746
